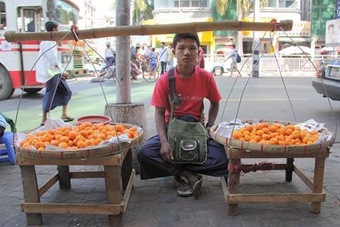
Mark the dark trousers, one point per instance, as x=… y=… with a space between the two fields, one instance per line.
x=153 y=166
x=163 y=67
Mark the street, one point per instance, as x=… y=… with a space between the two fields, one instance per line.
x=154 y=202
x=261 y=98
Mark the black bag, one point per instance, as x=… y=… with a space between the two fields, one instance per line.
x=238 y=58
x=188 y=138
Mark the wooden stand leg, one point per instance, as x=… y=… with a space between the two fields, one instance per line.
x=319 y=169
x=64 y=177
x=289 y=169
x=113 y=187
x=31 y=193
x=233 y=185
x=127 y=169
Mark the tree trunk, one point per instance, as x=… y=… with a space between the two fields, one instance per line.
x=123 y=94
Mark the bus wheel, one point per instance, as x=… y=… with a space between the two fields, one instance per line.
x=32 y=90
x=6 y=86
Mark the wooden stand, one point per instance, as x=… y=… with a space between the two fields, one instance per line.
x=118 y=175
x=233 y=197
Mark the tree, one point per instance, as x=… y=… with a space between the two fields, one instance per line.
x=233 y=10
x=142 y=10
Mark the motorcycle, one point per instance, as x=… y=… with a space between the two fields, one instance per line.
x=110 y=72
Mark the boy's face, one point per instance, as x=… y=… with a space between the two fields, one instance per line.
x=186 y=52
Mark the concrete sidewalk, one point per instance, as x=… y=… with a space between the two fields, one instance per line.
x=155 y=203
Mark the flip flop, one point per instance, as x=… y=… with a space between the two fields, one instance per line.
x=196 y=187
x=183 y=187
x=67 y=119
x=184 y=190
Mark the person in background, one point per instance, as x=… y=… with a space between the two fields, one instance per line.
x=110 y=55
x=170 y=58
x=3 y=124
x=155 y=156
x=163 y=57
x=153 y=64
x=4 y=120
x=200 y=58
x=49 y=71
x=232 y=57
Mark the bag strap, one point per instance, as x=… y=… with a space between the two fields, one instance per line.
x=172 y=81
x=171 y=77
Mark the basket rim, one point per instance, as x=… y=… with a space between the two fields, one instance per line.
x=246 y=145
x=111 y=149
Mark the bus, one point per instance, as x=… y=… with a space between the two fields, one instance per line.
x=18 y=58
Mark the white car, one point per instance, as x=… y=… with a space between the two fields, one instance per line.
x=93 y=68
x=218 y=68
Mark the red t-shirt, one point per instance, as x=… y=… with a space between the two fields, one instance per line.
x=190 y=92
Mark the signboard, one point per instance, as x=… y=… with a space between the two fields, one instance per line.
x=332 y=33
x=299 y=29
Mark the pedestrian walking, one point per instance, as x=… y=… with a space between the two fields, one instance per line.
x=49 y=71
x=163 y=57
x=234 y=58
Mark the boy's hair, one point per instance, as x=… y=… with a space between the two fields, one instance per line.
x=50 y=25
x=179 y=36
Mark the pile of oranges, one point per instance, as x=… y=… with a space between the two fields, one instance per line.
x=275 y=134
x=74 y=138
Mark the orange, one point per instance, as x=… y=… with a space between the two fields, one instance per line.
x=119 y=127
x=72 y=134
x=63 y=145
x=64 y=139
x=81 y=144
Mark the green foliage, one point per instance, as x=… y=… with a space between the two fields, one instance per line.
x=142 y=10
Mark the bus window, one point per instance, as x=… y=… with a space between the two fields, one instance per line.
x=2 y=16
x=63 y=12
x=30 y=19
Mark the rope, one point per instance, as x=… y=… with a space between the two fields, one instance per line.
x=276 y=26
x=237 y=168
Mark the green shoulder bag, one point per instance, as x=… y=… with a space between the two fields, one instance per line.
x=188 y=139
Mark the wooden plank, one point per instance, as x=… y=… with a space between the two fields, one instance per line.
x=104 y=160
x=128 y=190
x=319 y=168
x=237 y=153
x=93 y=33
x=224 y=188
x=113 y=186
x=126 y=169
x=48 y=184
x=87 y=174
x=289 y=169
x=65 y=208
x=31 y=192
x=303 y=177
x=233 y=183
x=276 y=198
x=64 y=176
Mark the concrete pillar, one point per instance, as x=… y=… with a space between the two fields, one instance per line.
x=129 y=113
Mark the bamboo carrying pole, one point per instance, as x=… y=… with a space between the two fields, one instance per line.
x=12 y=36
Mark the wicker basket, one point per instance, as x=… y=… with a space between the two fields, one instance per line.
x=251 y=146
x=81 y=153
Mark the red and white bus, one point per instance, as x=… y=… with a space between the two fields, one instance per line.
x=18 y=58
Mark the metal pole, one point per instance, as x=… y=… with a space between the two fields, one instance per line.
x=256 y=52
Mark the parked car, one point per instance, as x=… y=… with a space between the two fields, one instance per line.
x=218 y=68
x=327 y=82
